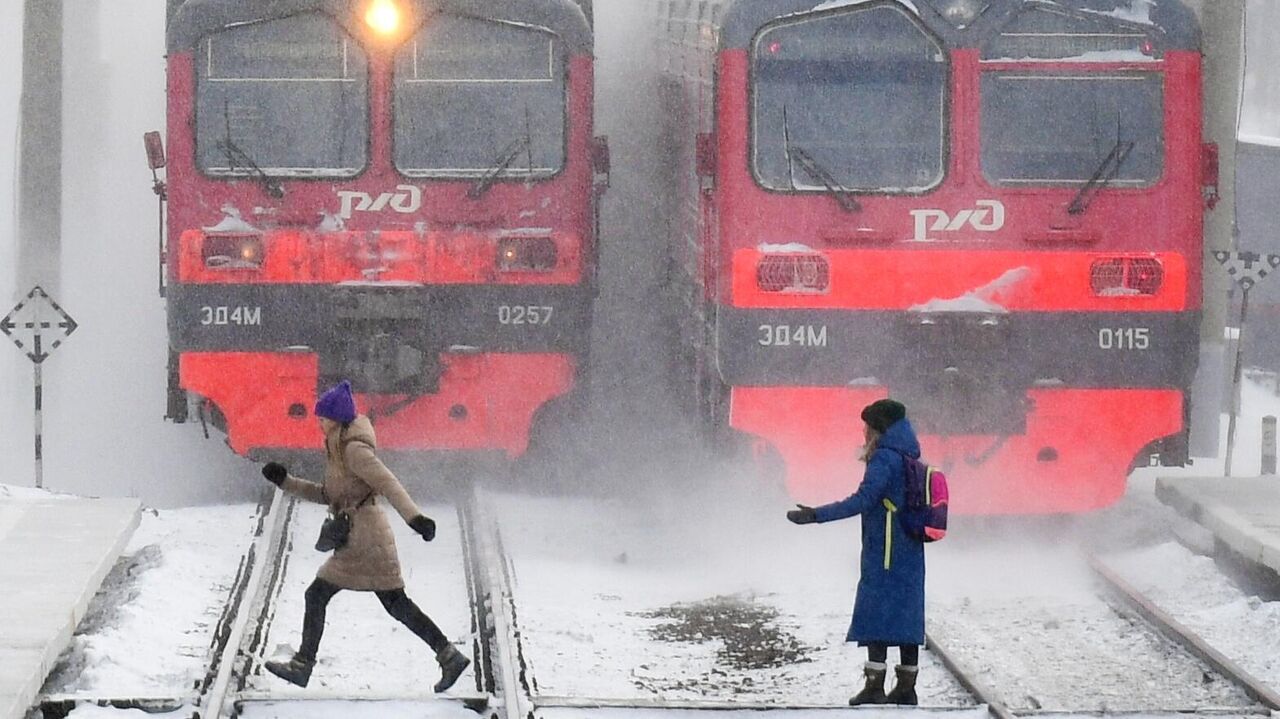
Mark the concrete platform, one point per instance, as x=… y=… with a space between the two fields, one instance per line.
x=54 y=554
x=1242 y=512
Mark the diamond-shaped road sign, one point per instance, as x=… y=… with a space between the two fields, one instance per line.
x=37 y=325
x=1247 y=268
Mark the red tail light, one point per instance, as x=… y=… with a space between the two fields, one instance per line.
x=1126 y=276
x=793 y=273
x=1146 y=275
x=233 y=251
x=527 y=254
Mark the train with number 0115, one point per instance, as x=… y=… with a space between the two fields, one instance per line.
x=989 y=209
x=401 y=193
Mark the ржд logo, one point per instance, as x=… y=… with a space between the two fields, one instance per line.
x=988 y=216
x=406 y=199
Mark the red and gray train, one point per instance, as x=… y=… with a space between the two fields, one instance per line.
x=989 y=209
x=397 y=192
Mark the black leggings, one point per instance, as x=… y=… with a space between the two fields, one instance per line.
x=908 y=654
x=395 y=601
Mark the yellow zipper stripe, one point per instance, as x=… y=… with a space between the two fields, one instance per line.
x=888 y=534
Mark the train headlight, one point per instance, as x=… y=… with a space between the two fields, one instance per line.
x=527 y=254
x=233 y=251
x=1126 y=276
x=801 y=273
x=383 y=16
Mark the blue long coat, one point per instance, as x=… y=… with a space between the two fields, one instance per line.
x=890 y=604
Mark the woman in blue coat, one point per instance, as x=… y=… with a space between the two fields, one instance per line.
x=889 y=609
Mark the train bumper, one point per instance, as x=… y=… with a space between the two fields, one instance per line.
x=484 y=401
x=1073 y=454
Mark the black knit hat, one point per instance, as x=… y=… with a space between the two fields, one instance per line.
x=883 y=413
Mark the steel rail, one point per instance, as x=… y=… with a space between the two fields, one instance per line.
x=1180 y=634
x=262 y=560
x=490 y=568
x=967 y=679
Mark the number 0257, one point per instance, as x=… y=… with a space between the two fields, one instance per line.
x=525 y=314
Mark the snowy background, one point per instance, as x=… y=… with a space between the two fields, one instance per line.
x=105 y=434
x=104 y=389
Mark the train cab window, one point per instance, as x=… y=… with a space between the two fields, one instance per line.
x=477 y=97
x=850 y=98
x=285 y=97
x=1062 y=128
x=1056 y=126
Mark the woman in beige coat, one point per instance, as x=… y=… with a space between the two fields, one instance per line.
x=354 y=478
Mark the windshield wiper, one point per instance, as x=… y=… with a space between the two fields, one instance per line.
x=505 y=158
x=1102 y=177
x=240 y=159
x=842 y=195
x=237 y=158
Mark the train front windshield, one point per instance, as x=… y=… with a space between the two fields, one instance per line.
x=286 y=96
x=1060 y=128
x=1064 y=127
x=862 y=92
x=474 y=97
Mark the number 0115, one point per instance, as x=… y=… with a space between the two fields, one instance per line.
x=1124 y=338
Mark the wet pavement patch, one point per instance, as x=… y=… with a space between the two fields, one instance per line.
x=748 y=630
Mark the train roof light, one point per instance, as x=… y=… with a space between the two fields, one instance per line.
x=383 y=16
x=961 y=13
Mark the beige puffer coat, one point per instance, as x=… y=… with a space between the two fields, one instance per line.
x=369 y=561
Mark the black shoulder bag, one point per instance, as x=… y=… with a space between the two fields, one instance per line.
x=337 y=528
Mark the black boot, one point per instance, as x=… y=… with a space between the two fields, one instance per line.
x=904 y=692
x=873 y=691
x=452 y=664
x=295 y=671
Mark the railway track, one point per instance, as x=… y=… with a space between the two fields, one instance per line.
x=505 y=686
x=1177 y=644
x=241 y=646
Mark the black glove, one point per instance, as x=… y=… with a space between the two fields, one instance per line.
x=424 y=525
x=803 y=515
x=275 y=473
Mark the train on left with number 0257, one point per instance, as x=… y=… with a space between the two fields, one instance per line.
x=401 y=193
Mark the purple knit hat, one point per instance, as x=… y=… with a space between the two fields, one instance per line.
x=337 y=403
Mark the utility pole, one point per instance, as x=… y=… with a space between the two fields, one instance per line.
x=1222 y=23
x=39 y=184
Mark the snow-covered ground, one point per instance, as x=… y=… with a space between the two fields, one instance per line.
x=356 y=710
x=8 y=491
x=1193 y=590
x=149 y=630
x=301 y=710
x=720 y=602
x=365 y=653
x=864 y=712
x=1030 y=619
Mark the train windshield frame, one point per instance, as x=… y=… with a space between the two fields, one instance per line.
x=480 y=98
x=863 y=92
x=286 y=97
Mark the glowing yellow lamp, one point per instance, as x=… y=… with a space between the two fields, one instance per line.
x=383 y=16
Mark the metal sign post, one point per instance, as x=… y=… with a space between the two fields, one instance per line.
x=1246 y=269
x=38 y=326
x=1269 y=445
